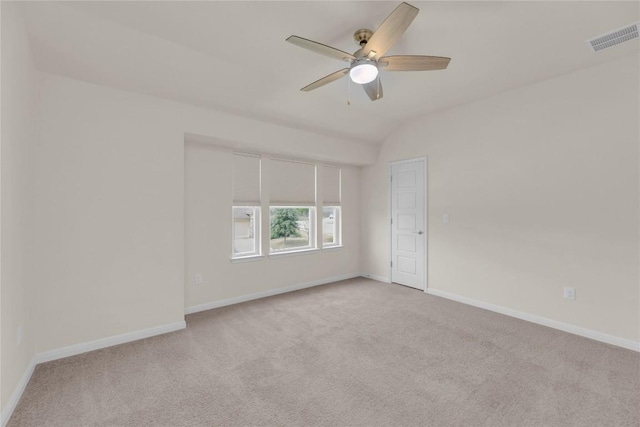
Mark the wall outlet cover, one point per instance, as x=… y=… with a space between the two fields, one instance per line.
x=570 y=293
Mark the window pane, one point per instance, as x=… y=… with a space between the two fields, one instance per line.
x=290 y=228
x=244 y=230
x=330 y=218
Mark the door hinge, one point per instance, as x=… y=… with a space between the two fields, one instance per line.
x=391 y=178
x=391 y=220
x=391 y=263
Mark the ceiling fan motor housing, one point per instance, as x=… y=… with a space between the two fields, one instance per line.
x=362 y=36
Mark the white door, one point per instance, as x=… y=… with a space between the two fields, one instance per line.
x=408 y=231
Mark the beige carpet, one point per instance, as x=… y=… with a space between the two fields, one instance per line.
x=356 y=352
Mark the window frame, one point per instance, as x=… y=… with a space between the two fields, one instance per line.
x=257 y=233
x=312 y=246
x=337 y=227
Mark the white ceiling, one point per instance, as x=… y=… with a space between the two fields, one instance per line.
x=232 y=56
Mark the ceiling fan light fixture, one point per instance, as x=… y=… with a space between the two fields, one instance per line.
x=364 y=63
x=363 y=71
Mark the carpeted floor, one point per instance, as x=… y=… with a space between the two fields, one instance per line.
x=356 y=352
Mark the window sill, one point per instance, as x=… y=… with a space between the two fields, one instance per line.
x=332 y=248
x=293 y=253
x=249 y=258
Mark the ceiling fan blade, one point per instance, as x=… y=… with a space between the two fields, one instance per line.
x=326 y=80
x=413 y=63
x=390 y=30
x=320 y=48
x=373 y=89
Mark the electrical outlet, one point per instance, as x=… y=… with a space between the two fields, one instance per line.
x=446 y=217
x=570 y=293
x=198 y=279
x=20 y=335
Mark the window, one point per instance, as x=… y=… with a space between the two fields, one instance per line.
x=330 y=226
x=246 y=231
x=292 y=228
x=246 y=205
x=331 y=218
x=292 y=217
x=303 y=213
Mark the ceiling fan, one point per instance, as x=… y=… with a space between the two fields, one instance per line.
x=366 y=62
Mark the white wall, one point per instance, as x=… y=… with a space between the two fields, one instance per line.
x=109 y=222
x=19 y=113
x=542 y=186
x=208 y=201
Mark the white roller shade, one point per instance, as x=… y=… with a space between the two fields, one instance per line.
x=330 y=185
x=246 y=179
x=292 y=183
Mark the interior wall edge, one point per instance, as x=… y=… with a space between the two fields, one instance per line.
x=88 y=346
x=20 y=91
x=376 y=277
x=264 y=294
x=544 y=321
x=200 y=124
x=76 y=349
x=11 y=405
x=206 y=141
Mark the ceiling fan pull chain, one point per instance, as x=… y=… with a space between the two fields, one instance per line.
x=349 y=91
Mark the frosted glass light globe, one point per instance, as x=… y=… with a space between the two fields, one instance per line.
x=363 y=72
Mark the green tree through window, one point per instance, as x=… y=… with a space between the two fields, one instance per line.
x=284 y=223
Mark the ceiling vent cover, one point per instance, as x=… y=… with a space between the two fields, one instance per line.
x=615 y=37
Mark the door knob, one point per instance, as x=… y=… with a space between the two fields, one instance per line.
x=418 y=232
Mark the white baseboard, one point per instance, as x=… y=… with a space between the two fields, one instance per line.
x=72 y=350
x=565 y=327
x=8 y=409
x=271 y=292
x=375 y=277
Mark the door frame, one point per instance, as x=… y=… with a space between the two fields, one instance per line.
x=425 y=161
